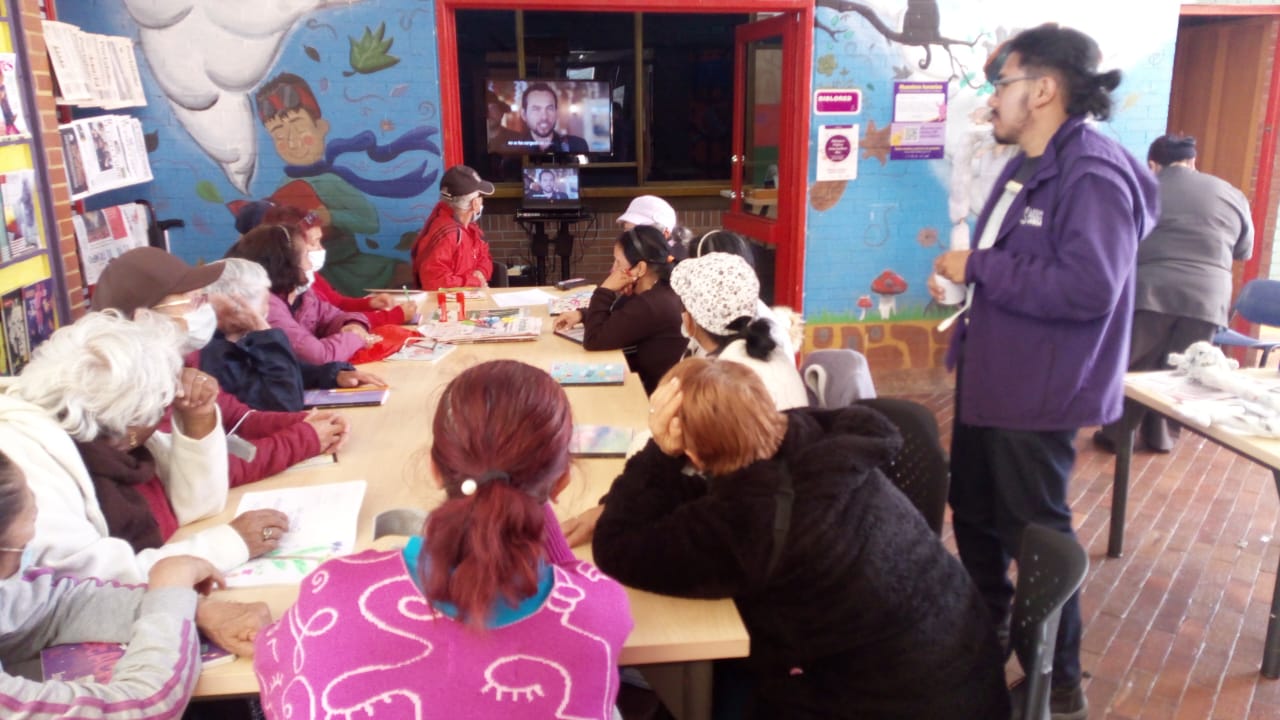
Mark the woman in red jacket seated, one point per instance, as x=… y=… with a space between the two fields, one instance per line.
x=379 y=308
x=451 y=250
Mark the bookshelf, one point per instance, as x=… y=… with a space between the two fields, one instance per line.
x=34 y=297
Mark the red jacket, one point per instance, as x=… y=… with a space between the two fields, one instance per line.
x=364 y=306
x=447 y=254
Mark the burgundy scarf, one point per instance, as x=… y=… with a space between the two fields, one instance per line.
x=116 y=475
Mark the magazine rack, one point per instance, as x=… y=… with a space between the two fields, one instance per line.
x=33 y=285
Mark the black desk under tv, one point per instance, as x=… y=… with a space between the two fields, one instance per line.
x=534 y=222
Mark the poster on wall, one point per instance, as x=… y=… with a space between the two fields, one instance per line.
x=102 y=235
x=11 y=113
x=837 y=152
x=14 y=319
x=919 y=128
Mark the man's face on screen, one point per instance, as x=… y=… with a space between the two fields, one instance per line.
x=540 y=113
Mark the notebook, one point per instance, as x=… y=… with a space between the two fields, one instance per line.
x=600 y=440
x=587 y=373
x=346 y=397
x=576 y=334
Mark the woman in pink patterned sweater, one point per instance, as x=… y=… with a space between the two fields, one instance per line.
x=488 y=614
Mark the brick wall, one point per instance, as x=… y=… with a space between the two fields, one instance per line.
x=593 y=241
x=61 y=231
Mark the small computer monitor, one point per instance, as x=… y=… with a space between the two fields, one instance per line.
x=551 y=186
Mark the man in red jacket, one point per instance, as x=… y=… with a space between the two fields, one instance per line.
x=451 y=250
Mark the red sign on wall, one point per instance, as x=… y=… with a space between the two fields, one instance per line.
x=837 y=102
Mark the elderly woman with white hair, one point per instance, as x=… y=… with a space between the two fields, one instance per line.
x=254 y=361
x=112 y=482
x=451 y=250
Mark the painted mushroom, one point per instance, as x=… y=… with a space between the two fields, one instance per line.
x=887 y=285
x=864 y=304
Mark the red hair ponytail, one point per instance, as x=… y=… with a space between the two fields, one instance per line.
x=501 y=431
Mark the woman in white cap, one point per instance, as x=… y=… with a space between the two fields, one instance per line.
x=720 y=292
x=649 y=210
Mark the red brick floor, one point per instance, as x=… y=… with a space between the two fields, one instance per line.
x=1173 y=629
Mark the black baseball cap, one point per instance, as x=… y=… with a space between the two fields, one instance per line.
x=460 y=181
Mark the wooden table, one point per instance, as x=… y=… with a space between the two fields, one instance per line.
x=1264 y=451
x=675 y=637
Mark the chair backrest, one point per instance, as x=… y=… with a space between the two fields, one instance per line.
x=920 y=470
x=1051 y=566
x=835 y=378
x=1259 y=302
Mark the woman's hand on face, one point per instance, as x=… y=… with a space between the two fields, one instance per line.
x=186 y=571
x=619 y=281
x=261 y=530
x=331 y=428
x=196 y=403
x=235 y=316
x=232 y=625
x=664 y=417
x=580 y=529
x=567 y=320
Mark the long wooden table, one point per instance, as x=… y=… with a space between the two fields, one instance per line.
x=1264 y=451
x=387 y=448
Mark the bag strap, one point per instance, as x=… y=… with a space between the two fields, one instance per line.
x=785 y=499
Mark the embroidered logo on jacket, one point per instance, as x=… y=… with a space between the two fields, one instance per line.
x=1033 y=217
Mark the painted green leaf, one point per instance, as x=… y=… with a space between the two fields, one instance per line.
x=369 y=53
x=208 y=191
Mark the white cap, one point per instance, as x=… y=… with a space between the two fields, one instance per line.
x=716 y=289
x=650 y=210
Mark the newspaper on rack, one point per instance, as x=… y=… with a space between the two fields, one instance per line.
x=491 y=329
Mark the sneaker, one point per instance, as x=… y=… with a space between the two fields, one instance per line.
x=1064 y=703
x=1068 y=704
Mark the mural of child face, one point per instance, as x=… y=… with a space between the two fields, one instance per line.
x=298 y=137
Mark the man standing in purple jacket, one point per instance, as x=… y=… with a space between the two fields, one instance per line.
x=1042 y=341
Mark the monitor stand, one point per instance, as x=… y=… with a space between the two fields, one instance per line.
x=539 y=242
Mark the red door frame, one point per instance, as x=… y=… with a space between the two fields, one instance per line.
x=1267 y=150
x=793 y=153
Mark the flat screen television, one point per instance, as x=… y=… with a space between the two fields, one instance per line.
x=551 y=187
x=552 y=117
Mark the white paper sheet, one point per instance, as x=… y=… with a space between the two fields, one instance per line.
x=522 y=297
x=322 y=524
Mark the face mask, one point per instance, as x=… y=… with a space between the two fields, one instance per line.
x=28 y=559
x=311 y=280
x=476 y=218
x=317 y=262
x=201 y=323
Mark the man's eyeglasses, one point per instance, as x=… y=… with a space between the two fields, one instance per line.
x=194 y=301
x=1002 y=82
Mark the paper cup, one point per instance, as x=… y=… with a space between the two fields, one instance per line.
x=952 y=293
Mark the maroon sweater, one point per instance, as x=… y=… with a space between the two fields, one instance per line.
x=646 y=327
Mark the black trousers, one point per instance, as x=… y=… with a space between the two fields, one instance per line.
x=1155 y=335
x=1000 y=481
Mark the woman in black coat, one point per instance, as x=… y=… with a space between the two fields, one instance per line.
x=854 y=607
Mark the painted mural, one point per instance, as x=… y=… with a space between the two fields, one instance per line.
x=328 y=105
x=871 y=241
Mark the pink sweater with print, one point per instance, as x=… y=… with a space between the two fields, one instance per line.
x=362 y=640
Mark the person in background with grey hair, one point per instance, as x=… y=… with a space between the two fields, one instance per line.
x=111 y=488
x=254 y=361
x=1184 y=270
x=161 y=662
x=451 y=250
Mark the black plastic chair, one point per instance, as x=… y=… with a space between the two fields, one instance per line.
x=1259 y=303
x=1051 y=566
x=920 y=469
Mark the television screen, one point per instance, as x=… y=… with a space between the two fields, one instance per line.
x=563 y=117
x=550 y=186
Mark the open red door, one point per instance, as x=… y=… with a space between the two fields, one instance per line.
x=770 y=129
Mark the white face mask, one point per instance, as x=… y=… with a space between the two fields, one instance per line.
x=317 y=262
x=28 y=559
x=201 y=323
x=311 y=280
